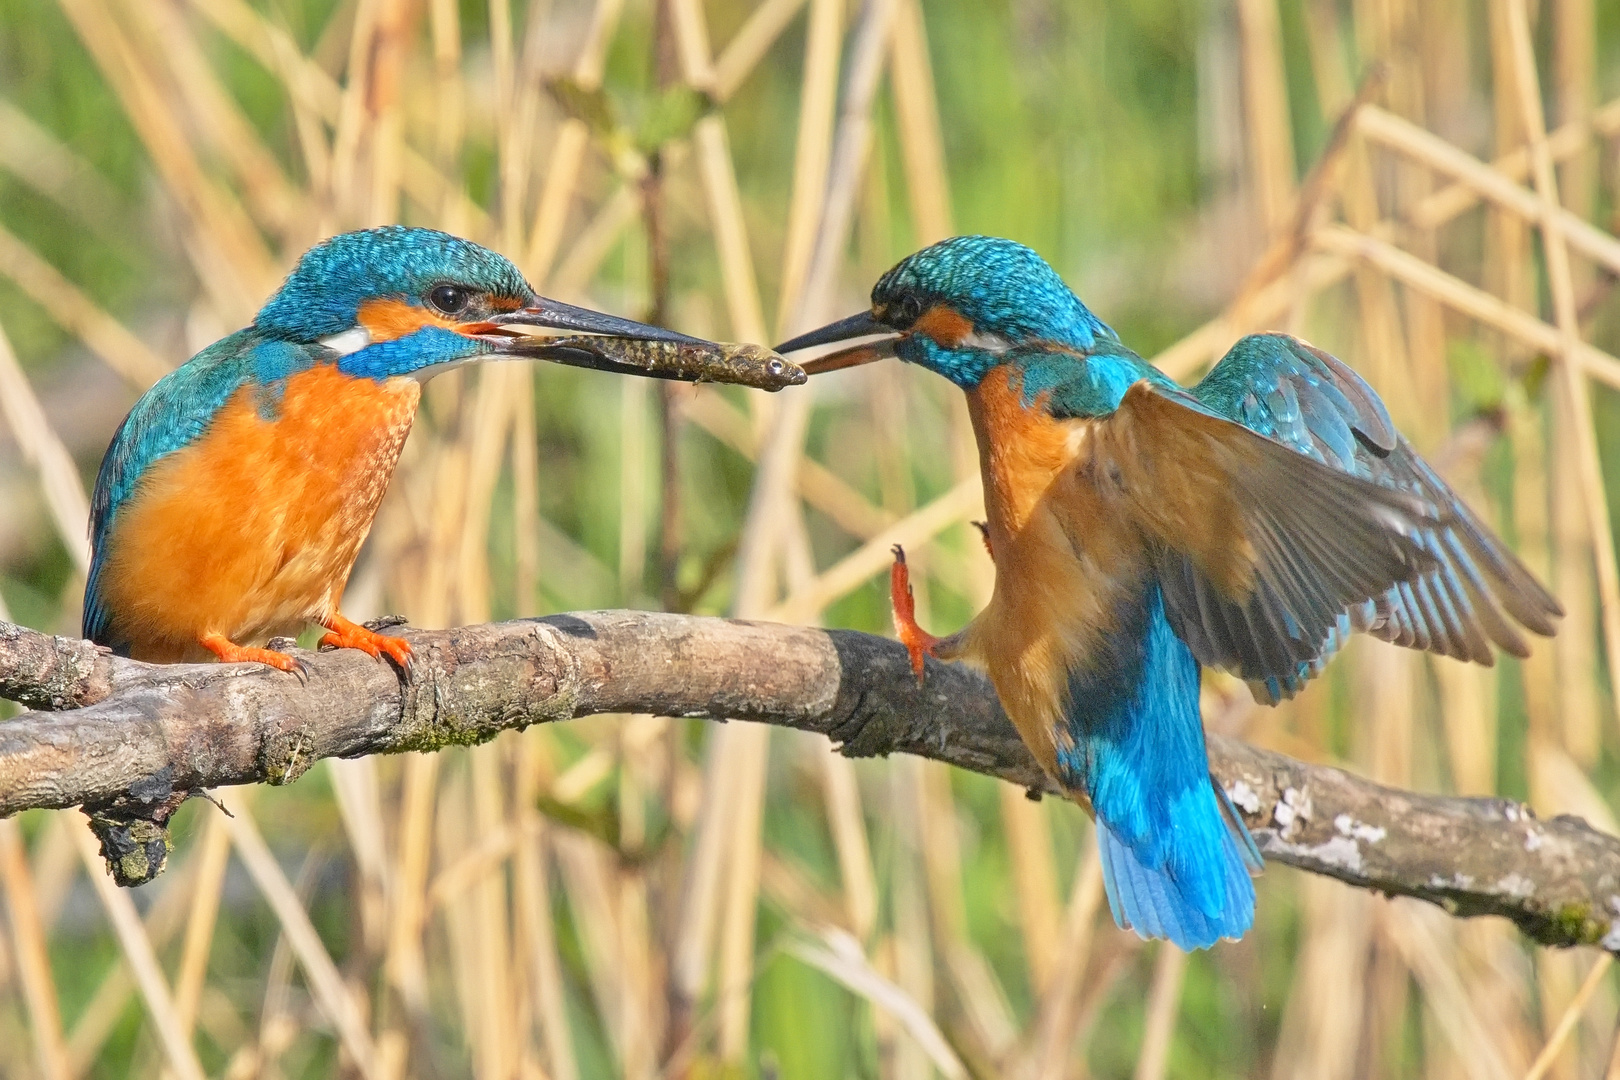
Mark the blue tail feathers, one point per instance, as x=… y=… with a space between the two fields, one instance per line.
x=1154 y=904
x=1175 y=855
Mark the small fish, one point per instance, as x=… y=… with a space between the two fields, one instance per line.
x=695 y=361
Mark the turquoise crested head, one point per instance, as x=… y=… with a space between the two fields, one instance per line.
x=443 y=274
x=957 y=307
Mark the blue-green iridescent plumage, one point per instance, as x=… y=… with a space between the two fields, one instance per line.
x=1175 y=855
x=321 y=298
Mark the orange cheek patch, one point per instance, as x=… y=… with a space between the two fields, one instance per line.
x=945 y=325
x=390 y=319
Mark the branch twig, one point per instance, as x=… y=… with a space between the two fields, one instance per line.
x=136 y=740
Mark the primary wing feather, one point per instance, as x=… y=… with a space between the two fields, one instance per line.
x=1469 y=594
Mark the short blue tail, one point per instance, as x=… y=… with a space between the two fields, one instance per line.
x=1153 y=903
x=1175 y=856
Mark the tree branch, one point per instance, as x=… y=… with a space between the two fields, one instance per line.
x=137 y=740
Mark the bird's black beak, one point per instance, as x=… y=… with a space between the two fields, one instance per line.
x=856 y=326
x=555 y=315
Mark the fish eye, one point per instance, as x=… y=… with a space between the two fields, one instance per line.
x=450 y=299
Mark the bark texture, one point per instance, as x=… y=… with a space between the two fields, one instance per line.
x=131 y=741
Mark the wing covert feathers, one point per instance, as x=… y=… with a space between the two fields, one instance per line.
x=1270 y=556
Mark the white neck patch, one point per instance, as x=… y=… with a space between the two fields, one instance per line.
x=994 y=344
x=350 y=341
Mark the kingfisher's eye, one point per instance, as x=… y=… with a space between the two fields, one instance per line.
x=907 y=310
x=450 y=299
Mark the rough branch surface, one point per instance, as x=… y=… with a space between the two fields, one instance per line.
x=130 y=741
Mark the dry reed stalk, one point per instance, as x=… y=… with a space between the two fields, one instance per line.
x=750 y=44
x=526 y=521
x=818 y=102
x=404 y=962
x=351 y=127
x=464 y=964
x=588 y=879
x=1486 y=181
x=1467 y=692
x=1326 y=1001
x=922 y=146
x=1574 y=52
x=633 y=460
x=490 y=423
x=385 y=123
x=963 y=500
x=356 y=788
x=33 y=961
x=332 y=994
x=1163 y=1004
x=1575 y=651
x=58 y=475
x=534 y=920
x=495 y=1028
x=839 y=956
x=212 y=860
x=1477 y=1045
x=59 y=298
x=1265 y=111
x=1572 y=379
x=232 y=261
x=823 y=489
x=1463 y=297
x=101 y=1015
x=1057 y=1019
x=137 y=949
x=1568 y=141
x=166 y=37
x=596 y=242
x=450 y=118
x=568 y=152
x=913 y=970
x=42 y=162
x=1029 y=848
x=844 y=820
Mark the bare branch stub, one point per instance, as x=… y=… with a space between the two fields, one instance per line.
x=135 y=740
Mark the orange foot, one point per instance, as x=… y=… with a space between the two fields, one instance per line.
x=229 y=652
x=918 y=642
x=351 y=635
x=984 y=534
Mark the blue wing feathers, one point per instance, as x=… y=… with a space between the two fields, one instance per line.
x=172 y=415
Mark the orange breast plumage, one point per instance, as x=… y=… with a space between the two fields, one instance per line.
x=252 y=530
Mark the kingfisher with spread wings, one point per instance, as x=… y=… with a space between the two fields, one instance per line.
x=1140 y=530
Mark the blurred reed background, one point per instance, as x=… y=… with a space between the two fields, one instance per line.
x=648 y=897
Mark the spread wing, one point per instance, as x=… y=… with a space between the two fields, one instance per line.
x=173 y=414
x=1287 y=512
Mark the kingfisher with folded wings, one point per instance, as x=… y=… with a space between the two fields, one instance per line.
x=235 y=496
x=1140 y=530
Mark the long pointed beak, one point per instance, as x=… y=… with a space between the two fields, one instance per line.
x=556 y=315
x=856 y=326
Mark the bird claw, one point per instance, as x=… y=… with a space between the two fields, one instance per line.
x=231 y=653
x=919 y=643
x=343 y=634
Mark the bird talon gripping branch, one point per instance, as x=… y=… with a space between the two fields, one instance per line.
x=919 y=643
x=343 y=634
x=231 y=653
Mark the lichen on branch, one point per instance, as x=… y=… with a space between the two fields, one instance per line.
x=130 y=741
